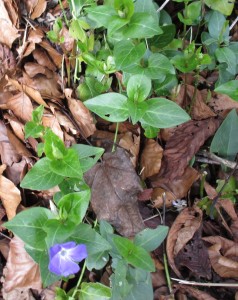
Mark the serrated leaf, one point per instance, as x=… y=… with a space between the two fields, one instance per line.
x=94 y=291
x=163 y=113
x=110 y=106
x=133 y=254
x=28 y=226
x=150 y=239
x=229 y=88
x=225 y=141
x=41 y=177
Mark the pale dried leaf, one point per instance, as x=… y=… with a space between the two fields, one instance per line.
x=131 y=142
x=10 y=196
x=222 y=104
x=21 y=106
x=194 y=292
x=21 y=271
x=16 y=125
x=8 y=32
x=151 y=159
x=43 y=59
x=54 y=55
x=38 y=9
x=49 y=120
x=33 y=69
x=34 y=94
x=4 y=247
x=182 y=230
x=35 y=35
x=68 y=43
x=12 y=9
x=81 y=114
x=8 y=62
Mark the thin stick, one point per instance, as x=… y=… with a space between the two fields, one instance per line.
x=234 y=23
x=163 y=5
x=205 y=283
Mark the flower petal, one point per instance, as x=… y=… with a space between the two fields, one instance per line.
x=54 y=250
x=68 y=245
x=63 y=266
x=78 y=253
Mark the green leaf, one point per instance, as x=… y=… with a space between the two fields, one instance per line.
x=90 y=88
x=229 y=88
x=133 y=254
x=97 y=261
x=223 y=6
x=225 y=141
x=162 y=40
x=68 y=166
x=136 y=110
x=37 y=114
x=88 y=155
x=28 y=226
x=101 y=14
x=164 y=88
x=110 y=106
x=77 y=32
x=147 y=6
x=75 y=205
x=54 y=147
x=41 y=177
x=127 y=54
x=216 y=24
x=94 y=291
x=124 y=8
x=84 y=234
x=33 y=130
x=142 y=25
x=138 y=88
x=158 y=67
x=226 y=55
x=163 y=113
x=150 y=131
x=150 y=239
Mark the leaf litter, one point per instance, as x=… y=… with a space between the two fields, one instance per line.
x=197 y=247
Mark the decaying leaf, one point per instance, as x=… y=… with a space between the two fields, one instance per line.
x=21 y=106
x=9 y=195
x=115 y=186
x=21 y=272
x=131 y=142
x=222 y=104
x=43 y=59
x=8 y=32
x=194 y=292
x=81 y=114
x=151 y=159
x=223 y=255
x=182 y=230
x=8 y=62
x=49 y=120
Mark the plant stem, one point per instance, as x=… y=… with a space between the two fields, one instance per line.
x=62 y=8
x=166 y=269
x=80 y=279
x=163 y=5
x=115 y=138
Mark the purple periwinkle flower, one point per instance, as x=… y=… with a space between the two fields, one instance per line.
x=64 y=258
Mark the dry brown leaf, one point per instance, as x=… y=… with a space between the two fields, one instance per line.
x=222 y=104
x=182 y=146
x=200 y=110
x=182 y=230
x=33 y=69
x=81 y=114
x=38 y=9
x=12 y=9
x=51 y=121
x=224 y=256
x=8 y=32
x=20 y=271
x=115 y=186
x=21 y=106
x=4 y=247
x=35 y=35
x=194 y=292
x=10 y=196
x=16 y=125
x=151 y=159
x=131 y=142
x=176 y=188
x=68 y=43
x=54 y=55
x=8 y=62
x=34 y=94
x=43 y=59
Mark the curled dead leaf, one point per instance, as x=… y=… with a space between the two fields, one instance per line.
x=81 y=114
x=182 y=230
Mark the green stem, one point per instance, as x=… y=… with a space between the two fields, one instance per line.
x=166 y=269
x=115 y=138
x=80 y=280
x=65 y=18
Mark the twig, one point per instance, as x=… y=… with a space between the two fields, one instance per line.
x=214 y=159
x=205 y=283
x=233 y=23
x=163 y=5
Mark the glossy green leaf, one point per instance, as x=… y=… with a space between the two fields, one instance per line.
x=110 y=106
x=159 y=66
x=33 y=130
x=124 y=8
x=68 y=166
x=229 y=88
x=90 y=88
x=226 y=55
x=163 y=113
x=141 y=25
x=97 y=261
x=54 y=147
x=94 y=291
x=138 y=88
x=225 y=141
x=41 y=177
x=216 y=24
x=37 y=114
x=150 y=239
x=133 y=254
x=101 y=14
x=162 y=40
x=28 y=226
x=77 y=32
x=147 y=6
x=223 y=6
x=136 y=110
